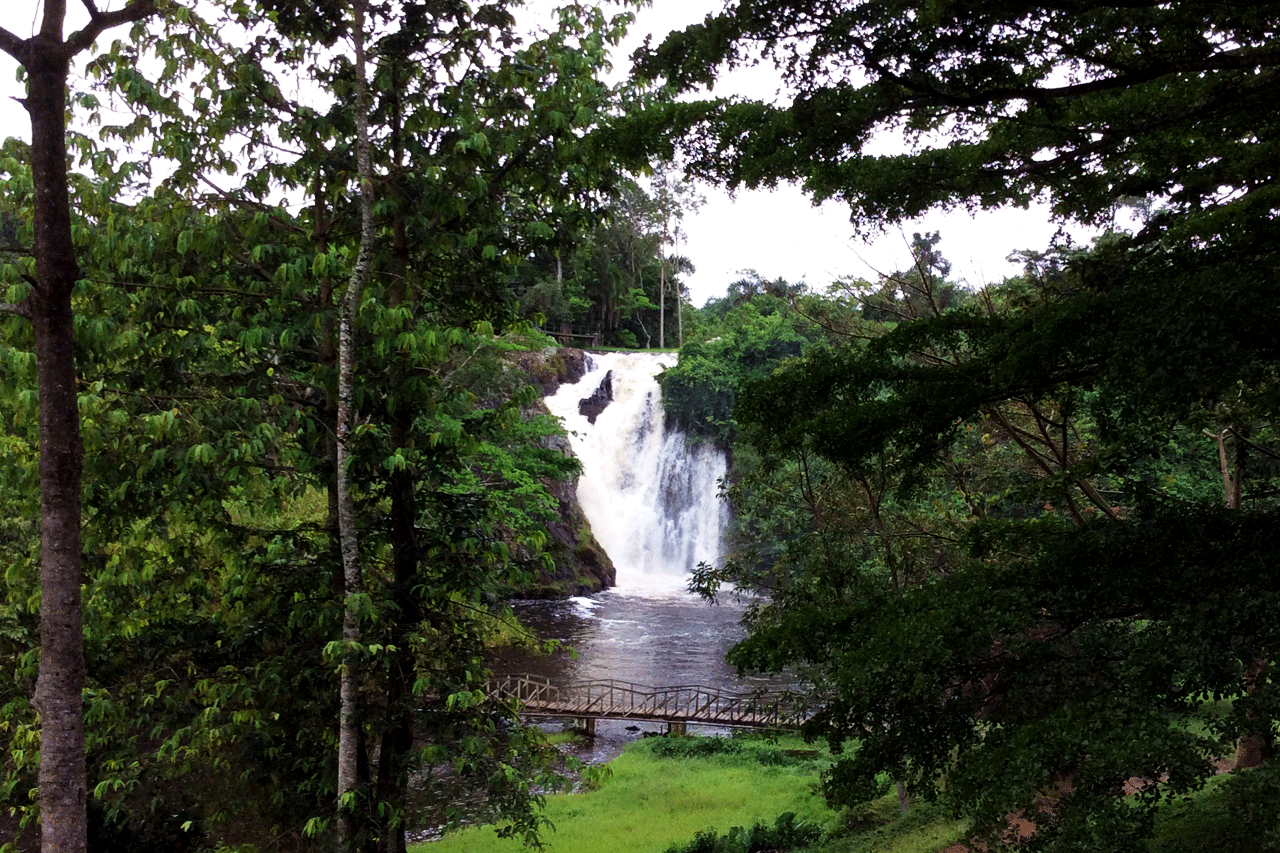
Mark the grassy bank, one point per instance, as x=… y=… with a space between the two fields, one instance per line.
x=662 y=791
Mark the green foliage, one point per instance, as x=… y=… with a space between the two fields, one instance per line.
x=558 y=302
x=1088 y=451
x=700 y=392
x=606 y=276
x=180 y=832
x=1060 y=632
x=976 y=92
x=593 y=777
x=786 y=833
x=204 y=333
x=1233 y=813
x=695 y=747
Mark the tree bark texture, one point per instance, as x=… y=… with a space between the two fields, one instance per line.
x=349 y=713
x=46 y=57
x=61 y=780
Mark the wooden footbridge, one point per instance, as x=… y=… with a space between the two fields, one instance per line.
x=675 y=706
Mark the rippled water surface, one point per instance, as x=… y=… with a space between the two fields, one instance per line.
x=655 y=641
x=651 y=637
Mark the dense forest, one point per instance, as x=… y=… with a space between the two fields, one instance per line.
x=268 y=465
x=1017 y=537
x=273 y=275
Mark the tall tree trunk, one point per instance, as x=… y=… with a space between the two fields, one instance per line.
x=349 y=711
x=328 y=359
x=397 y=733
x=1252 y=748
x=63 y=788
x=680 y=317
x=662 y=300
x=46 y=57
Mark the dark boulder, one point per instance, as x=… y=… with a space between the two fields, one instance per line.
x=591 y=407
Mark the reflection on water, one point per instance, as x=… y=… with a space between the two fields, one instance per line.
x=677 y=639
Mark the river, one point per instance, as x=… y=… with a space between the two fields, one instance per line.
x=645 y=639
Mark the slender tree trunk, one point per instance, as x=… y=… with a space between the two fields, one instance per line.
x=62 y=664
x=328 y=359
x=397 y=734
x=680 y=316
x=1230 y=479
x=349 y=713
x=662 y=300
x=1252 y=748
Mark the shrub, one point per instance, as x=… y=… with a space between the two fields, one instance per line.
x=786 y=834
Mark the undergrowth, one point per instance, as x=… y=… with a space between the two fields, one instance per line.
x=785 y=834
x=664 y=791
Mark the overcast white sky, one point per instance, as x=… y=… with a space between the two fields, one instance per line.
x=778 y=234
x=781 y=234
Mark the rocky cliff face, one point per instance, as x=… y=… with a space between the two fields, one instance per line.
x=581 y=565
x=552 y=367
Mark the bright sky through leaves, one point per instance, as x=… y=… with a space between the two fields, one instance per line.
x=778 y=234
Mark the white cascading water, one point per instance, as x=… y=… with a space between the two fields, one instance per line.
x=652 y=501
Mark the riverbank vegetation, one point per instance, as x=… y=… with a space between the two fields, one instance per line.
x=758 y=794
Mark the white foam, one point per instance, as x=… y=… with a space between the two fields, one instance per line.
x=585 y=606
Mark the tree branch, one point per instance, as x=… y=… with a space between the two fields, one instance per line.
x=225 y=195
x=14 y=46
x=19 y=309
x=938 y=92
x=103 y=21
x=55 y=12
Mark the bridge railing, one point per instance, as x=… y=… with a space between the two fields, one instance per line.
x=683 y=703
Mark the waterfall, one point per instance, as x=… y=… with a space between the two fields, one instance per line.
x=652 y=501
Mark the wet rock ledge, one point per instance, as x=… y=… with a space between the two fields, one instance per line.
x=581 y=565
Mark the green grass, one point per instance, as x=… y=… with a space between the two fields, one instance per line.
x=647 y=802
x=661 y=792
x=1239 y=812
x=567 y=736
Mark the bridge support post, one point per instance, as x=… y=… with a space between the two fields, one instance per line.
x=587 y=725
x=677 y=728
